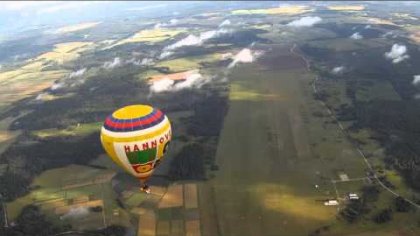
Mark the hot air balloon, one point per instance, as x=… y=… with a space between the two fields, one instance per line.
x=136 y=137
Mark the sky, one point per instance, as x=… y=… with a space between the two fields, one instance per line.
x=18 y=16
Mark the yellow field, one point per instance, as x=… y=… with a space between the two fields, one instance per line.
x=173 y=197
x=239 y=93
x=65 y=52
x=346 y=8
x=414 y=33
x=282 y=10
x=78 y=27
x=192 y=228
x=373 y=20
x=149 y=36
x=147 y=224
x=190 y=195
x=163 y=228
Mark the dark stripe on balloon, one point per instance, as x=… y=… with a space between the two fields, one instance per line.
x=133 y=126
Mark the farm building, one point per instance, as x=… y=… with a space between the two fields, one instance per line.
x=331 y=203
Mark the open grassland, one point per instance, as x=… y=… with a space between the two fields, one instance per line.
x=74 y=130
x=77 y=27
x=282 y=10
x=346 y=8
x=149 y=36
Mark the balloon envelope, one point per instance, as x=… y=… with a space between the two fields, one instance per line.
x=136 y=137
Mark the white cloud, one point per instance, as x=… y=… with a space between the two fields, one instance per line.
x=138 y=62
x=356 y=36
x=134 y=61
x=56 y=86
x=77 y=73
x=225 y=22
x=188 y=41
x=416 y=80
x=76 y=212
x=192 y=81
x=192 y=40
x=195 y=80
x=109 y=65
x=398 y=53
x=392 y=34
x=147 y=62
x=162 y=85
x=305 y=21
x=246 y=55
x=165 y=54
x=338 y=70
x=171 y=22
x=158 y=25
x=40 y=96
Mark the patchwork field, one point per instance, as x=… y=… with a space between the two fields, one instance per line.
x=66 y=194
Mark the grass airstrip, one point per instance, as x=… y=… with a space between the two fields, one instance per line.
x=272 y=154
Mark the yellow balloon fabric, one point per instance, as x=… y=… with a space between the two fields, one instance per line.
x=136 y=137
